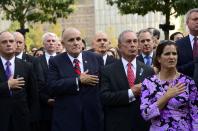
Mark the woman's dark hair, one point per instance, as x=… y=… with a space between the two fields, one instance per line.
x=160 y=49
x=174 y=34
x=40 y=49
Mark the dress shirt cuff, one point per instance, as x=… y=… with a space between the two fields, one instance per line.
x=131 y=96
x=77 y=84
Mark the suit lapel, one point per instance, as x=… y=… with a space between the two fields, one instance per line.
x=67 y=63
x=85 y=59
x=139 y=72
x=2 y=72
x=121 y=75
x=187 y=45
x=24 y=57
x=17 y=67
x=44 y=62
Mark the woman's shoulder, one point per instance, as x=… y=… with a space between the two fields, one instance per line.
x=185 y=77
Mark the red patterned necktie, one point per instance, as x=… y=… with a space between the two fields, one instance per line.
x=77 y=66
x=130 y=75
x=195 y=47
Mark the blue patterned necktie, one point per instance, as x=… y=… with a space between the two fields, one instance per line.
x=8 y=70
x=148 y=60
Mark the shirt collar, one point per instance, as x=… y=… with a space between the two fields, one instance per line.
x=125 y=62
x=191 y=37
x=151 y=55
x=48 y=55
x=20 y=55
x=72 y=58
x=11 y=60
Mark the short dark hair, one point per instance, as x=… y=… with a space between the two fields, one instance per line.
x=155 y=32
x=160 y=49
x=174 y=34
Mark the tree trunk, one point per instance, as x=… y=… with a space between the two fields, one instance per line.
x=166 y=31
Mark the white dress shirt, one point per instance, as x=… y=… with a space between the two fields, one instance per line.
x=20 y=55
x=104 y=58
x=191 y=37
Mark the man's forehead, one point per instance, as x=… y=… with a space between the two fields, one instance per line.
x=5 y=35
x=50 y=37
x=101 y=35
x=131 y=35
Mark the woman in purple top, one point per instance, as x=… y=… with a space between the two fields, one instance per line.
x=169 y=99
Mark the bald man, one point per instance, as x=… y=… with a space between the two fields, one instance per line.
x=73 y=80
x=39 y=83
x=18 y=97
x=100 y=45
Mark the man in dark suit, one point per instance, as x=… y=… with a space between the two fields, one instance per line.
x=18 y=97
x=186 y=58
x=73 y=81
x=121 y=87
x=20 y=53
x=101 y=44
x=146 y=44
x=46 y=101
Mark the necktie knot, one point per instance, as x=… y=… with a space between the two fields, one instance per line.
x=8 y=63
x=195 y=38
x=148 y=60
x=76 y=61
x=129 y=65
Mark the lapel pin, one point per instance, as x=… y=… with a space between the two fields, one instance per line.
x=141 y=71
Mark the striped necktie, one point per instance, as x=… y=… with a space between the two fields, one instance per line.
x=77 y=66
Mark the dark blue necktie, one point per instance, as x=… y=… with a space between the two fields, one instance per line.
x=8 y=70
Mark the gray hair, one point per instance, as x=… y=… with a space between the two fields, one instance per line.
x=49 y=34
x=144 y=31
x=120 y=37
x=189 y=13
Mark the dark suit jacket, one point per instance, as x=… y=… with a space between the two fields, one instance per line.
x=74 y=109
x=46 y=110
x=185 y=62
x=37 y=69
x=110 y=60
x=17 y=108
x=120 y=115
